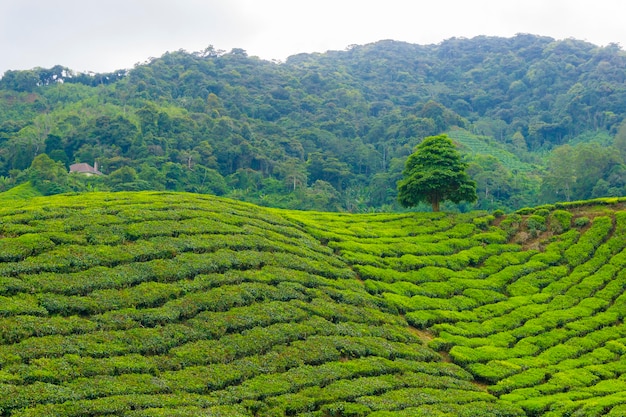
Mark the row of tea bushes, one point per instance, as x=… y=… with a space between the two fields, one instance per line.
x=538 y=318
x=166 y=304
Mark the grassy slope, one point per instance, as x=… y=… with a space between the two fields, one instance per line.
x=481 y=145
x=21 y=192
x=148 y=304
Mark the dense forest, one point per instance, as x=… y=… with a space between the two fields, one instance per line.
x=537 y=121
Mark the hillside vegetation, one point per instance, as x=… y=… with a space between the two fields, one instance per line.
x=173 y=304
x=330 y=131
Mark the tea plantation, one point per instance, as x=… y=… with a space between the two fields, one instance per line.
x=169 y=304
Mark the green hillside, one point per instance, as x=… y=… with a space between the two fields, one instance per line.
x=19 y=192
x=328 y=131
x=481 y=145
x=173 y=304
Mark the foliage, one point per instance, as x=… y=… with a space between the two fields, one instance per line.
x=560 y=221
x=539 y=120
x=47 y=176
x=582 y=171
x=536 y=223
x=433 y=174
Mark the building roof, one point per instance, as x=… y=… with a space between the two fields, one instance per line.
x=84 y=168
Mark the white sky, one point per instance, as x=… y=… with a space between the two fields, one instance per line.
x=105 y=35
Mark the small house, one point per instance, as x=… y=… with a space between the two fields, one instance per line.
x=85 y=168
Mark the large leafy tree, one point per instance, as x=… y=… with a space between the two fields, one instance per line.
x=435 y=173
x=48 y=176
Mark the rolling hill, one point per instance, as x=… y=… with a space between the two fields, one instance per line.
x=329 y=131
x=176 y=304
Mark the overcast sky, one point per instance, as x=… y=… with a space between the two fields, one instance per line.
x=101 y=36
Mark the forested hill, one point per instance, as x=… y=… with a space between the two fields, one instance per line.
x=538 y=120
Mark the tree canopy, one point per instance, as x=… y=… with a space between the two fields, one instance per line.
x=329 y=131
x=435 y=173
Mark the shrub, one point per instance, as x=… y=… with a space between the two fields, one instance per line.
x=559 y=221
x=498 y=213
x=616 y=347
x=21 y=304
x=573 y=378
x=616 y=411
x=528 y=378
x=581 y=221
x=491 y=237
x=413 y=397
x=484 y=222
x=21 y=247
x=345 y=409
x=511 y=224
x=536 y=223
x=484 y=296
x=541 y=211
x=494 y=371
x=559 y=353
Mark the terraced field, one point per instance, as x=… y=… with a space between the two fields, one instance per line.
x=165 y=304
x=172 y=305
x=474 y=144
x=531 y=305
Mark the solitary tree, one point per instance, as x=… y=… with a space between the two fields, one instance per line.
x=435 y=173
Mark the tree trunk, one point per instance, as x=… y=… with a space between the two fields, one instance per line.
x=435 y=204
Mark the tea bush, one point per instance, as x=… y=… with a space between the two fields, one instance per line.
x=180 y=304
x=559 y=221
x=536 y=223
